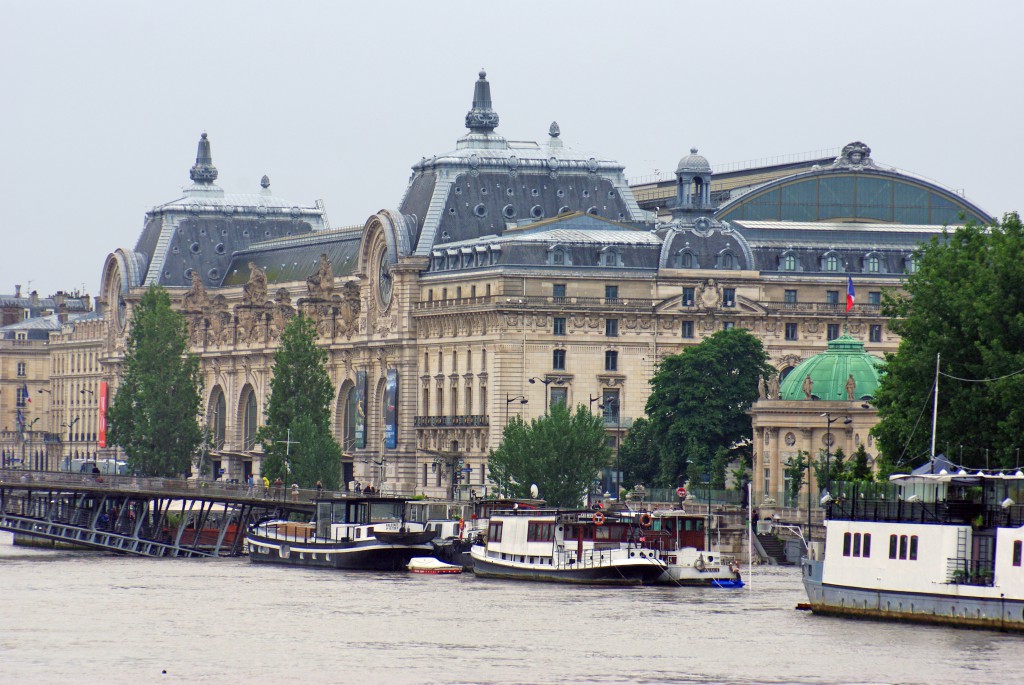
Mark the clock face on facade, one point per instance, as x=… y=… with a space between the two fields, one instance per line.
x=384 y=282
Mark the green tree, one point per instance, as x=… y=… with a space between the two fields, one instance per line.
x=154 y=415
x=698 y=406
x=297 y=441
x=860 y=470
x=638 y=454
x=966 y=303
x=562 y=453
x=795 y=468
x=835 y=462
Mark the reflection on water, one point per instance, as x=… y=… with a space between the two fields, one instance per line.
x=95 y=617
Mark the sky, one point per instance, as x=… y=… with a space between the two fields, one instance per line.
x=103 y=102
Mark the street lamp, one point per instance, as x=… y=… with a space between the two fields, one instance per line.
x=70 y=426
x=546 y=382
x=613 y=403
x=828 y=448
x=24 y=439
x=592 y=400
x=509 y=400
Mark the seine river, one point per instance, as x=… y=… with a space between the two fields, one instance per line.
x=73 y=617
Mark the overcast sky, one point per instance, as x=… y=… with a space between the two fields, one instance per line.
x=103 y=102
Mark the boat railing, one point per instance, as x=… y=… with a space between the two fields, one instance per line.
x=970 y=572
x=590 y=558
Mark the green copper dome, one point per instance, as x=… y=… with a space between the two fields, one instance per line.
x=830 y=373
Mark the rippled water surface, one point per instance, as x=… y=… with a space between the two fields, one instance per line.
x=86 y=617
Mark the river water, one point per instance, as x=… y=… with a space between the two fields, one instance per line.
x=88 y=617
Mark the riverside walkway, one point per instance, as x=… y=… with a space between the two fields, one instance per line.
x=152 y=517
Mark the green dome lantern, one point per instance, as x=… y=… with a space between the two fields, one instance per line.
x=831 y=372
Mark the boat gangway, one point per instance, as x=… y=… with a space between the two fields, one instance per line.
x=152 y=517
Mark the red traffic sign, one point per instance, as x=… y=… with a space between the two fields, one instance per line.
x=681 y=492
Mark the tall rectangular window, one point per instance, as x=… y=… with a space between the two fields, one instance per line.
x=875 y=333
x=559 y=396
x=728 y=297
x=790 y=297
x=611 y=360
x=875 y=297
x=791 y=331
x=846 y=544
x=728 y=325
x=558 y=290
x=833 y=331
x=832 y=297
x=892 y=546
x=559 y=328
x=558 y=360
x=767 y=480
x=611 y=328
x=1017 y=544
x=856 y=544
x=903 y=546
x=21 y=397
x=688 y=295
x=867 y=545
x=687 y=329
x=21 y=369
x=611 y=292
x=913 y=547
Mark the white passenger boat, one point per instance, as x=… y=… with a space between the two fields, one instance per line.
x=934 y=548
x=587 y=547
x=367 y=533
x=684 y=542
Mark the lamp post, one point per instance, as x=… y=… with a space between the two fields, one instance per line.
x=70 y=426
x=546 y=382
x=27 y=429
x=613 y=403
x=592 y=400
x=82 y=392
x=509 y=400
x=828 y=448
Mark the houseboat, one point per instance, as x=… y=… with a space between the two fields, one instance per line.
x=683 y=541
x=366 y=533
x=942 y=548
x=585 y=546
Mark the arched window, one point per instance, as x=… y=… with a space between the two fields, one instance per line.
x=788 y=261
x=686 y=260
x=873 y=264
x=832 y=263
x=217 y=419
x=250 y=421
x=609 y=257
x=349 y=409
x=726 y=260
x=910 y=265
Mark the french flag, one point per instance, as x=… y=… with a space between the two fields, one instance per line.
x=25 y=393
x=849 y=292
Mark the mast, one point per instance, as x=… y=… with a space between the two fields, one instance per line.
x=935 y=404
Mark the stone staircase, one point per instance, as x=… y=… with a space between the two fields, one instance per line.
x=774 y=547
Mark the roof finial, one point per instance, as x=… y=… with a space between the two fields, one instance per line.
x=482 y=118
x=553 y=130
x=265 y=182
x=203 y=172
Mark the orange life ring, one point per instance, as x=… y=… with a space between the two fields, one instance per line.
x=645 y=520
x=598 y=519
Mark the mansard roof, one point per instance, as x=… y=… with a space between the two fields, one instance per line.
x=291 y=259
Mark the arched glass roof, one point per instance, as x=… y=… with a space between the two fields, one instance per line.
x=868 y=195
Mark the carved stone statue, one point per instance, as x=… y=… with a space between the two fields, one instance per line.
x=851 y=388
x=196 y=297
x=254 y=292
x=773 y=387
x=350 y=305
x=808 y=386
x=321 y=282
x=762 y=388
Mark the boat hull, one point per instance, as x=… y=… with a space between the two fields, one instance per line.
x=636 y=573
x=912 y=607
x=368 y=555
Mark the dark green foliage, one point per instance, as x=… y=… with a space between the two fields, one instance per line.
x=838 y=468
x=965 y=302
x=697 y=408
x=563 y=453
x=300 y=400
x=154 y=412
x=638 y=455
x=859 y=469
x=796 y=468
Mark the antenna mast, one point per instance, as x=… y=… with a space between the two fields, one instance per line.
x=935 y=405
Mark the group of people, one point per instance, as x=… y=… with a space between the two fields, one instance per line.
x=260 y=487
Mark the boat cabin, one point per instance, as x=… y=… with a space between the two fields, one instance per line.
x=356 y=511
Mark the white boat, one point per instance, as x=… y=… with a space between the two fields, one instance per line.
x=586 y=547
x=940 y=548
x=683 y=542
x=432 y=566
x=367 y=533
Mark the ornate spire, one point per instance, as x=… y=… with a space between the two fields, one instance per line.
x=482 y=118
x=203 y=172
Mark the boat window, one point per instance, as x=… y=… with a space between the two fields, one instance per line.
x=903 y=547
x=1016 y=552
x=540 y=531
x=913 y=547
x=856 y=544
x=892 y=546
x=494 y=531
x=867 y=545
x=846 y=544
x=603 y=533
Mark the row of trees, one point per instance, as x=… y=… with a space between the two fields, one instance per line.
x=155 y=412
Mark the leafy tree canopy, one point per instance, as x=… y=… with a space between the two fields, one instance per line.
x=154 y=414
x=697 y=411
x=562 y=453
x=297 y=441
x=965 y=303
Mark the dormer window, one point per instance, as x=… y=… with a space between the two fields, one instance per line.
x=872 y=263
x=558 y=256
x=726 y=260
x=609 y=257
x=685 y=259
x=831 y=262
x=910 y=265
x=788 y=261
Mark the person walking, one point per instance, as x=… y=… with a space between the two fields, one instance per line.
x=278 y=488
x=319 y=489
x=266 y=487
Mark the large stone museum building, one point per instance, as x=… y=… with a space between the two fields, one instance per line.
x=512 y=275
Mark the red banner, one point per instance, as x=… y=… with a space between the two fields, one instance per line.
x=103 y=414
